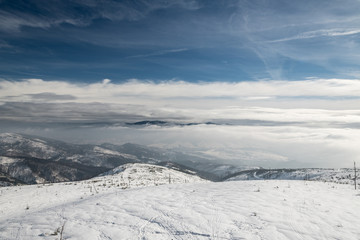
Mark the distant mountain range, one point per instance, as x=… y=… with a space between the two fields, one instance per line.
x=28 y=159
x=342 y=175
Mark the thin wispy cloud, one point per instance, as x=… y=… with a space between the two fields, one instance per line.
x=159 y=53
x=54 y=13
x=320 y=33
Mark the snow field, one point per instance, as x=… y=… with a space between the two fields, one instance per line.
x=228 y=210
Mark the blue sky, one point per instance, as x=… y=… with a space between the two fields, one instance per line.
x=278 y=80
x=87 y=41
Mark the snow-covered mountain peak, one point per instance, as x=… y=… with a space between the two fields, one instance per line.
x=10 y=137
x=19 y=145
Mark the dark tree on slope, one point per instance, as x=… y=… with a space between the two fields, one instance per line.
x=355 y=174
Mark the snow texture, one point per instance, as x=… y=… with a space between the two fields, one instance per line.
x=227 y=210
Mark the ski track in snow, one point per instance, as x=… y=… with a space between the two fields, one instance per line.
x=256 y=210
x=294 y=224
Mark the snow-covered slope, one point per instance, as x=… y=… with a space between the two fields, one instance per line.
x=124 y=177
x=227 y=210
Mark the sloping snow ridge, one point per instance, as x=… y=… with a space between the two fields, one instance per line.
x=106 y=208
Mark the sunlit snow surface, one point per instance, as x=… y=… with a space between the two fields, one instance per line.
x=229 y=210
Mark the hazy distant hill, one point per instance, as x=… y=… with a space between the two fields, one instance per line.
x=32 y=159
x=28 y=159
x=343 y=175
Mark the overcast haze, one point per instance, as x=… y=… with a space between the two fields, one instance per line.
x=269 y=83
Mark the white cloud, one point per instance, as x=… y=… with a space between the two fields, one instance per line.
x=309 y=101
x=106 y=81
x=109 y=91
x=314 y=122
x=276 y=146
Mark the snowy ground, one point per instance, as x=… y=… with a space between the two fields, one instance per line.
x=229 y=210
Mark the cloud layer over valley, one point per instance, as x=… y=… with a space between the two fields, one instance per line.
x=269 y=123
